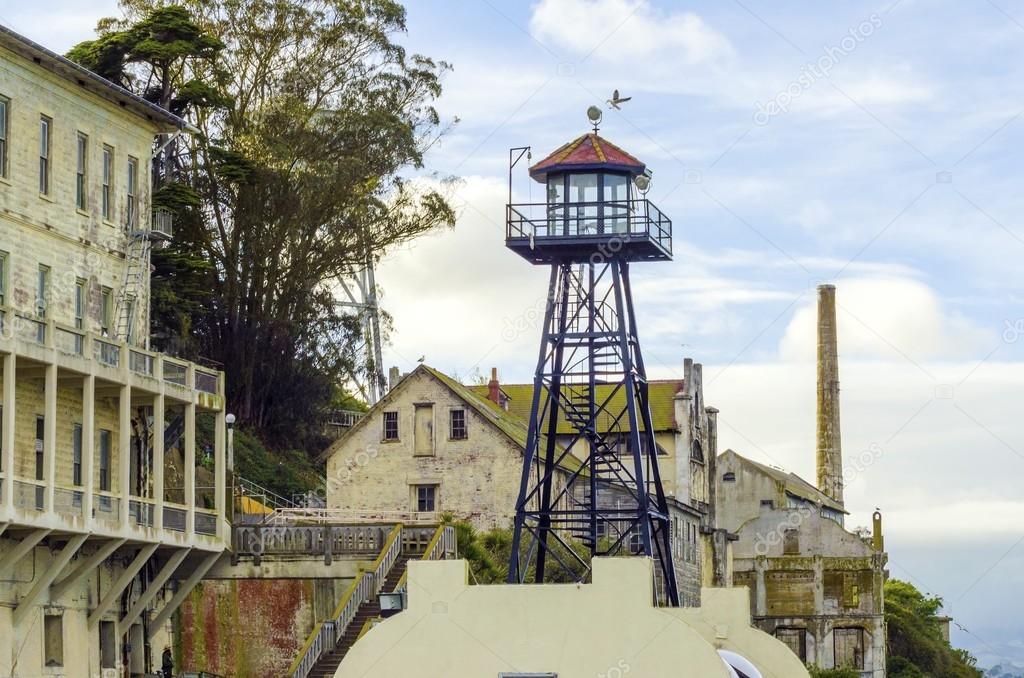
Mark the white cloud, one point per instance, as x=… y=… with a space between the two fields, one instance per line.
x=888 y=318
x=626 y=29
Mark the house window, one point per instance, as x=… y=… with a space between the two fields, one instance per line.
x=729 y=477
x=795 y=640
x=104 y=460
x=768 y=503
x=81 y=185
x=133 y=183
x=849 y=648
x=458 y=425
x=426 y=498
x=108 y=190
x=106 y=310
x=5 y=119
x=53 y=640
x=76 y=455
x=45 y=129
x=391 y=426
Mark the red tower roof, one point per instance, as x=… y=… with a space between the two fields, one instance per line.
x=588 y=152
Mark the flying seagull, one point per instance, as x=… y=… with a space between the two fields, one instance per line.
x=616 y=100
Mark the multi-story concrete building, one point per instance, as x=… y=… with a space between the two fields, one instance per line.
x=99 y=501
x=813 y=584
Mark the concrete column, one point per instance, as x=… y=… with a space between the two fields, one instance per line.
x=88 y=444
x=819 y=585
x=190 y=468
x=7 y=444
x=124 y=447
x=50 y=434
x=158 y=455
x=761 y=600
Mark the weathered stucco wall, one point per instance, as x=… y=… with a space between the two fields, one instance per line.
x=245 y=627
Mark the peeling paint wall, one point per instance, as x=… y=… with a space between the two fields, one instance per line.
x=244 y=627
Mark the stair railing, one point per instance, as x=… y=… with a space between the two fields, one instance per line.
x=442 y=546
x=364 y=587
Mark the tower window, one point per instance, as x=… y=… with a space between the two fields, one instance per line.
x=696 y=452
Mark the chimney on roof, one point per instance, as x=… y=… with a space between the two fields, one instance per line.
x=829 y=447
x=494 y=388
x=394 y=374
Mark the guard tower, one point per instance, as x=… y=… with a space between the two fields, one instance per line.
x=601 y=492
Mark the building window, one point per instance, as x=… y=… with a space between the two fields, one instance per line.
x=130 y=312
x=768 y=503
x=42 y=290
x=636 y=541
x=53 y=640
x=108 y=190
x=426 y=498
x=104 y=460
x=5 y=120
x=729 y=477
x=108 y=645
x=79 y=304
x=791 y=543
x=696 y=452
x=45 y=130
x=132 y=197
x=391 y=426
x=106 y=310
x=795 y=640
x=81 y=184
x=849 y=648
x=39 y=445
x=76 y=455
x=458 y=425
x=3 y=280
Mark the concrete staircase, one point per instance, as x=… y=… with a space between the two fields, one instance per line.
x=329 y=662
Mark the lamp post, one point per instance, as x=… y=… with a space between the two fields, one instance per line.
x=230 y=420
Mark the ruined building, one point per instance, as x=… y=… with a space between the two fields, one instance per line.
x=813 y=584
x=103 y=503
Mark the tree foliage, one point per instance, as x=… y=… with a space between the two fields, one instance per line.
x=916 y=648
x=310 y=116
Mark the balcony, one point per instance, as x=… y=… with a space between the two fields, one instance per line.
x=634 y=230
x=112 y=395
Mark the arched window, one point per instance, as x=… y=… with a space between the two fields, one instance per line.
x=696 y=453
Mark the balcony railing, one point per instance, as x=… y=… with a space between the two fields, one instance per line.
x=141 y=512
x=175 y=518
x=68 y=340
x=67 y=501
x=206 y=522
x=106 y=507
x=622 y=220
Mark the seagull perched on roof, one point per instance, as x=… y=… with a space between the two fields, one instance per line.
x=616 y=100
x=422 y=358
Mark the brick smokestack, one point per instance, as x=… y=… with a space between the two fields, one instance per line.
x=494 y=387
x=829 y=452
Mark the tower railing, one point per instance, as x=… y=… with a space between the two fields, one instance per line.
x=632 y=219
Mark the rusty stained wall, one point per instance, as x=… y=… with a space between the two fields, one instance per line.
x=244 y=627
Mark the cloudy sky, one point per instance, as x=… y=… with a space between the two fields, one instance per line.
x=863 y=144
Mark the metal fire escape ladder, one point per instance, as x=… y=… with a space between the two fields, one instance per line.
x=136 y=267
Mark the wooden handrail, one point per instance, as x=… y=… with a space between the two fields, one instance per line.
x=428 y=554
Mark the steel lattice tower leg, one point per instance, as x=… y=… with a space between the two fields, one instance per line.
x=590 y=484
